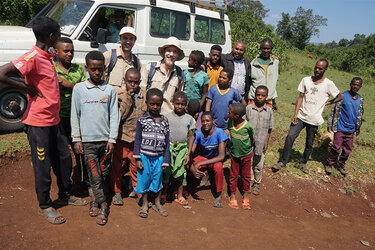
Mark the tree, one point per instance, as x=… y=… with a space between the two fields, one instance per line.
x=343 y=42
x=256 y=7
x=19 y=12
x=284 y=27
x=299 y=29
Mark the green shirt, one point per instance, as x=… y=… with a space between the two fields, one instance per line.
x=75 y=75
x=240 y=141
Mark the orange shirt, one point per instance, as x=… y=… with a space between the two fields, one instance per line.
x=213 y=73
x=38 y=69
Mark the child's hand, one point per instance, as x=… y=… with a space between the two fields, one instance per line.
x=163 y=167
x=197 y=173
x=187 y=159
x=139 y=164
x=109 y=148
x=78 y=147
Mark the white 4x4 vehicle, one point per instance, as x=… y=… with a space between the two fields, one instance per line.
x=86 y=22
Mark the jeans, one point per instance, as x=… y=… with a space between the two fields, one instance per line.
x=294 y=131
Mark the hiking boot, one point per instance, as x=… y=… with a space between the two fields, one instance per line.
x=342 y=171
x=328 y=169
x=303 y=168
x=278 y=166
x=256 y=189
x=117 y=199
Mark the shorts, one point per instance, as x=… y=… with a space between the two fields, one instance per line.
x=149 y=178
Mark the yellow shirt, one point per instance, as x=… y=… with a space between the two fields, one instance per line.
x=213 y=73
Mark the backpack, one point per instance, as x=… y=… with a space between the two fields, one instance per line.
x=152 y=71
x=113 y=60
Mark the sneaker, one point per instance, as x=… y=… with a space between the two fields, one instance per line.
x=256 y=189
x=303 y=168
x=278 y=166
x=342 y=171
x=117 y=199
x=328 y=169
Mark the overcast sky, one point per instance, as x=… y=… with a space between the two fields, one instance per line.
x=345 y=17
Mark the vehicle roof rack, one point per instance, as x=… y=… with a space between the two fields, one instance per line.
x=207 y=4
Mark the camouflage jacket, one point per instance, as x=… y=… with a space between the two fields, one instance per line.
x=336 y=112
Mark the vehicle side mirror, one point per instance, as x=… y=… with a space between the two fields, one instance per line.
x=101 y=36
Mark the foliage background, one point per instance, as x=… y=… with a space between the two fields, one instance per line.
x=19 y=12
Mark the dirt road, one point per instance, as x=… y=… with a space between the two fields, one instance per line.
x=289 y=214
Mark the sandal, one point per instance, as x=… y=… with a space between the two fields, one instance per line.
x=143 y=213
x=160 y=210
x=52 y=216
x=233 y=204
x=102 y=217
x=246 y=204
x=182 y=201
x=72 y=200
x=218 y=203
x=94 y=209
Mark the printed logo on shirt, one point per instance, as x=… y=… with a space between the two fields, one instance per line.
x=104 y=100
x=18 y=65
x=33 y=53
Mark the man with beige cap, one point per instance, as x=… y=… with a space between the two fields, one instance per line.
x=118 y=61
x=165 y=75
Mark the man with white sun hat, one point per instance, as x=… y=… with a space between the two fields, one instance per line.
x=164 y=74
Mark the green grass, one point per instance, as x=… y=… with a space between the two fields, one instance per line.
x=11 y=144
x=361 y=163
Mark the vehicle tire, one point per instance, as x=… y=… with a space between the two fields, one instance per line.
x=13 y=103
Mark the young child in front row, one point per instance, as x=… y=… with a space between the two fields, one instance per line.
x=151 y=151
x=196 y=80
x=95 y=121
x=181 y=127
x=241 y=153
x=220 y=96
x=260 y=115
x=209 y=145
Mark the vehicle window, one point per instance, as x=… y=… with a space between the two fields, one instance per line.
x=209 y=30
x=202 y=30
x=69 y=14
x=111 y=19
x=166 y=23
x=217 y=31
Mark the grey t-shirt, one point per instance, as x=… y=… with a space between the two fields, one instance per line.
x=179 y=127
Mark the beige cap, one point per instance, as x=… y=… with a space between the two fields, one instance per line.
x=172 y=41
x=127 y=30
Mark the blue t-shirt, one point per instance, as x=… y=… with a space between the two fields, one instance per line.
x=349 y=112
x=194 y=84
x=220 y=104
x=209 y=147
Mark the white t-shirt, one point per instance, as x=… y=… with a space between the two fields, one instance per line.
x=316 y=95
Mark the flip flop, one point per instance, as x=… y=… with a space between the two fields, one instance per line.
x=160 y=210
x=182 y=201
x=246 y=204
x=52 y=216
x=143 y=212
x=233 y=204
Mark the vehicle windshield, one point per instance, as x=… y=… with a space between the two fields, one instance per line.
x=69 y=13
